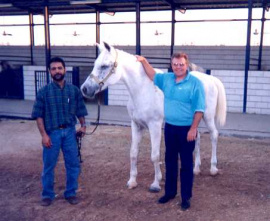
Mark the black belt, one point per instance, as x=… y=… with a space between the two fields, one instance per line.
x=62 y=126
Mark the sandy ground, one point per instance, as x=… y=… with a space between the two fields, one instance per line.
x=241 y=191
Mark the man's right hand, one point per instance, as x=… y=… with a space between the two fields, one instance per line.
x=46 y=141
x=149 y=70
x=140 y=58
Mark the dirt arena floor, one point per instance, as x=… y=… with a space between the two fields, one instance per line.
x=241 y=191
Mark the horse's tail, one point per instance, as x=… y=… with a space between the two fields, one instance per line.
x=221 y=109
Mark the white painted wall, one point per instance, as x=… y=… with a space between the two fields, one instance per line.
x=258 y=93
x=29 y=81
x=258 y=96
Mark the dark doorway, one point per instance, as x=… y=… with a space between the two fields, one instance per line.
x=11 y=83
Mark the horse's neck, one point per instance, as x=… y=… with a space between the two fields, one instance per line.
x=134 y=76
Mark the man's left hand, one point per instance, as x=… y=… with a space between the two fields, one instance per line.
x=81 y=130
x=192 y=134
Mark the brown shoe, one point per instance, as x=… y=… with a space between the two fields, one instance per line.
x=73 y=200
x=46 y=202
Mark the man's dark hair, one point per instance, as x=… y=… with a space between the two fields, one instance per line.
x=57 y=59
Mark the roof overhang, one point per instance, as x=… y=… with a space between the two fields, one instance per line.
x=23 y=7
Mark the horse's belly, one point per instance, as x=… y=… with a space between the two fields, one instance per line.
x=144 y=116
x=138 y=117
x=150 y=108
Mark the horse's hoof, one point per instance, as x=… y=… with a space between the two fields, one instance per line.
x=154 y=189
x=214 y=172
x=132 y=186
x=196 y=172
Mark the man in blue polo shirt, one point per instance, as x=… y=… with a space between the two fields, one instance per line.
x=57 y=106
x=184 y=105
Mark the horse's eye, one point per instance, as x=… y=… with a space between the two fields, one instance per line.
x=103 y=67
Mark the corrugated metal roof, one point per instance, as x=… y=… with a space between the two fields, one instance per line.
x=22 y=7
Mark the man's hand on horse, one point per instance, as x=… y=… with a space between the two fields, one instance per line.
x=140 y=58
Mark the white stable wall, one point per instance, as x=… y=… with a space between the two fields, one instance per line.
x=29 y=81
x=258 y=92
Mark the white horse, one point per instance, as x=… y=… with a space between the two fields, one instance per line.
x=145 y=105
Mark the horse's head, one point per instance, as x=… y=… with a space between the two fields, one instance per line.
x=104 y=72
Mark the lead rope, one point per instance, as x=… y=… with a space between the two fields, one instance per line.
x=98 y=111
x=79 y=144
x=79 y=134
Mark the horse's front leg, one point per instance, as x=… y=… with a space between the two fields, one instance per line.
x=155 y=134
x=197 y=153
x=134 y=150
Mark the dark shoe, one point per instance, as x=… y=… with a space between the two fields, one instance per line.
x=185 y=205
x=165 y=199
x=73 y=200
x=46 y=202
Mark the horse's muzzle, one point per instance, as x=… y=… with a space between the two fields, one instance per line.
x=88 y=91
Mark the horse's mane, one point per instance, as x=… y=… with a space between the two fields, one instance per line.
x=127 y=55
x=130 y=61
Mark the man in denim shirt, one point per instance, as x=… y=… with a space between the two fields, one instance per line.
x=184 y=105
x=56 y=108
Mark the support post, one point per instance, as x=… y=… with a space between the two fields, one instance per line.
x=47 y=39
x=138 y=28
x=173 y=30
x=97 y=30
x=32 y=39
x=247 y=55
x=261 y=41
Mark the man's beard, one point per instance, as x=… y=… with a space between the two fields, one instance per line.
x=58 y=77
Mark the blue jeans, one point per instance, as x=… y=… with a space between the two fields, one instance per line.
x=64 y=139
x=177 y=145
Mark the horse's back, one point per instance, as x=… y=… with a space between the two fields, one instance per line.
x=208 y=83
x=215 y=96
x=204 y=78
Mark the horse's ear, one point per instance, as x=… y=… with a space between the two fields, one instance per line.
x=107 y=46
x=100 y=47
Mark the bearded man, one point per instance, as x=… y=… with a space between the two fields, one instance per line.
x=56 y=109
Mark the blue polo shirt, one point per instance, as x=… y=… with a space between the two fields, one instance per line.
x=182 y=99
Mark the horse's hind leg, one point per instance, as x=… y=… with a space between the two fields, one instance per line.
x=155 y=134
x=136 y=138
x=210 y=123
x=197 y=165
